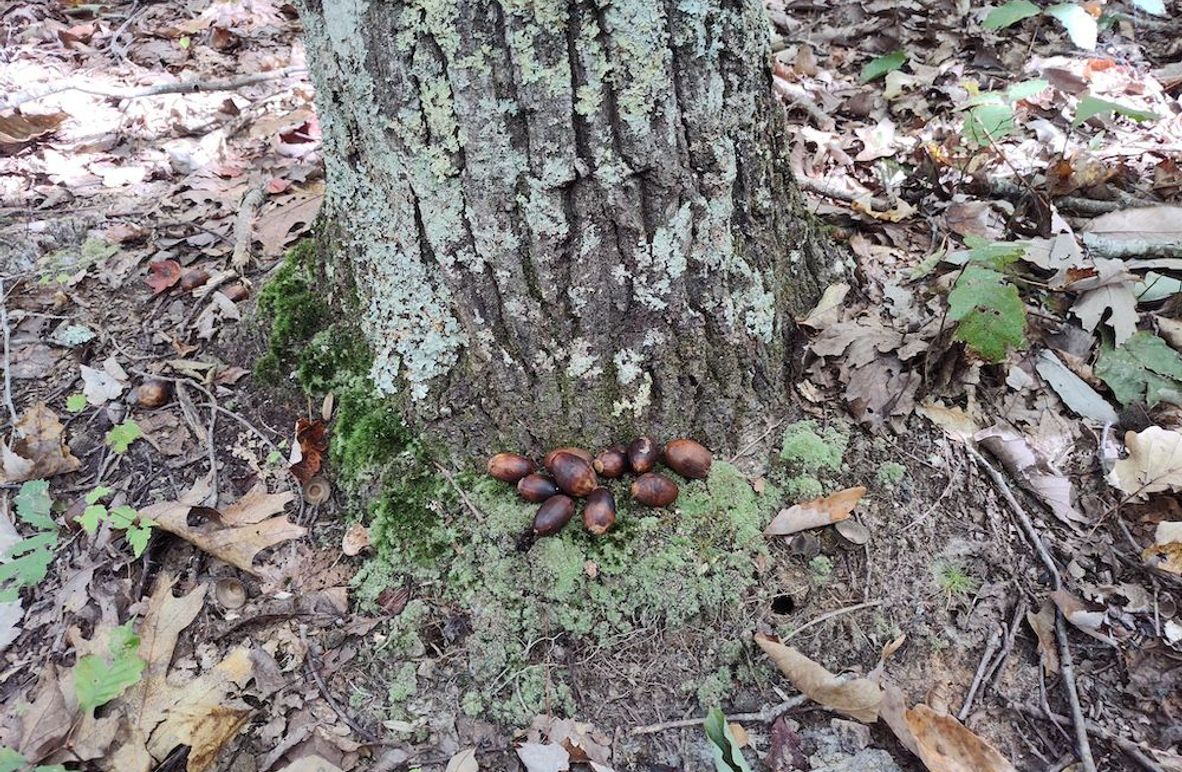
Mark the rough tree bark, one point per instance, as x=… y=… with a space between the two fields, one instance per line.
x=566 y=220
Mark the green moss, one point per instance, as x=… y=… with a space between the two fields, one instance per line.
x=715 y=688
x=820 y=569
x=293 y=312
x=890 y=474
x=810 y=449
x=803 y=487
x=403 y=684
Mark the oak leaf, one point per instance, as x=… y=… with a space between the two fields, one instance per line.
x=37 y=448
x=945 y=745
x=1154 y=463
x=816 y=513
x=858 y=698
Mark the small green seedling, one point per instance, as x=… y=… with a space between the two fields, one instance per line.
x=27 y=561
x=98 y=680
x=136 y=528
x=120 y=437
x=955 y=582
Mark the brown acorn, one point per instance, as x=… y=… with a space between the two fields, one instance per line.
x=236 y=292
x=599 y=513
x=194 y=278
x=509 y=467
x=536 y=488
x=612 y=463
x=154 y=392
x=688 y=458
x=654 y=490
x=549 y=459
x=573 y=474
x=643 y=454
x=554 y=513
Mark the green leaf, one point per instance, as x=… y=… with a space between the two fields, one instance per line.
x=76 y=403
x=1145 y=369
x=100 y=492
x=138 y=537
x=26 y=564
x=1010 y=14
x=10 y=760
x=98 y=680
x=723 y=747
x=1026 y=89
x=990 y=313
x=91 y=517
x=1080 y=25
x=121 y=436
x=1090 y=106
x=880 y=66
x=988 y=123
x=993 y=254
x=123 y=516
x=1155 y=7
x=32 y=505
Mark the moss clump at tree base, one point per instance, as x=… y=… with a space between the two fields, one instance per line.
x=689 y=567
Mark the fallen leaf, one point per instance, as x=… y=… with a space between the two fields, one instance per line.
x=1106 y=287
x=280 y=225
x=45 y=723
x=1165 y=553
x=100 y=386
x=955 y=422
x=1043 y=625
x=1035 y=472
x=464 y=761
x=1154 y=463
x=17 y=128
x=37 y=448
x=256 y=505
x=828 y=308
x=307 y=452
x=539 y=757
x=355 y=540
x=237 y=545
x=858 y=698
x=1074 y=391
x=893 y=712
x=316 y=763
x=1155 y=222
x=945 y=745
x=1081 y=617
x=816 y=513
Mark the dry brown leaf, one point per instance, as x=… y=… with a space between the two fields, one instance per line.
x=1137 y=224
x=945 y=745
x=49 y=719
x=893 y=712
x=828 y=309
x=237 y=545
x=1154 y=463
x=955 y=422
x=1043 y=625
x=464 y=761
x=355 y=540
x=1080 y=616
x=37 y=448
x=858 y=698
x=316 y=764
x=816 y=513
x=1033 y=470
x=1165 y=553
x=279 y=226
x=16 y=128
x=256 y=505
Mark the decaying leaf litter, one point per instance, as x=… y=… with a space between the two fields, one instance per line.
x=1005 y=195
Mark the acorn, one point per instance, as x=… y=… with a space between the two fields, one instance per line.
x=236 y=293
x=599 y=513
x=194 y=278
x=554 y=513
x=549 y=459
x=654 y=490
x=154 y=392
x=574 y=474
x=688 y=458
x=643 y=454
x=509 y=467
x=612 y=463
x=536 y=487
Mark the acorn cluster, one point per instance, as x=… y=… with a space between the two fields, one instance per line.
x=573 y=473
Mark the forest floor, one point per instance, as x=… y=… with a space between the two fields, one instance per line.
x=190 y=589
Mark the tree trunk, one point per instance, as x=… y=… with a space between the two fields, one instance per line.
x=566 y=221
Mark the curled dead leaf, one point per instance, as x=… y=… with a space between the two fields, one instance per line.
x=945 y=745
x=858 y=698
x=1154 y=463
x=37 y=448
x=816 y=513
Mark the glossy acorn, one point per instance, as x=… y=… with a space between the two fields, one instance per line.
x=643 y=454
x=154 y=392
x=509 y=467
x=549 y=459
x=688 y=458
x=536 y=488
x=194 y=278
x=599 y=513
x=612 y=463
x=574 y=474
x=654 y=490
x=553 y=515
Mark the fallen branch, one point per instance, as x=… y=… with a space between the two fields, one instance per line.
x=1135 y=751
x=1103 y=246
x=829 y=615
x=180 y=87
x=991 y=648
x=1066 y=664
x=7 y=360
x=767 y=715
x=242 y=227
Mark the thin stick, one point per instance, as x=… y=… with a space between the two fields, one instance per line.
x=829 y=615
x=182 y=87
x=743 y=451
x=463 y=496
x=766 y=715
x=310 y=665
x=991 y=647
x=1015 y=623
x=1134 y=750
x=7 y=359
x=242 y=227
x=1066 y=666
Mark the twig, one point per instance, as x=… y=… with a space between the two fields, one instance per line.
x=1134 y=750
x=743 y=451
x=310 y=666
x=1011 y=634
x=7 y=360
x=242 y=227
x=1066 y=666
x=991 y=647
x=829 y=615
x=1105 y=246
x=463 y=496
x=767 y=715
x=829 y=190
x=181 y=87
